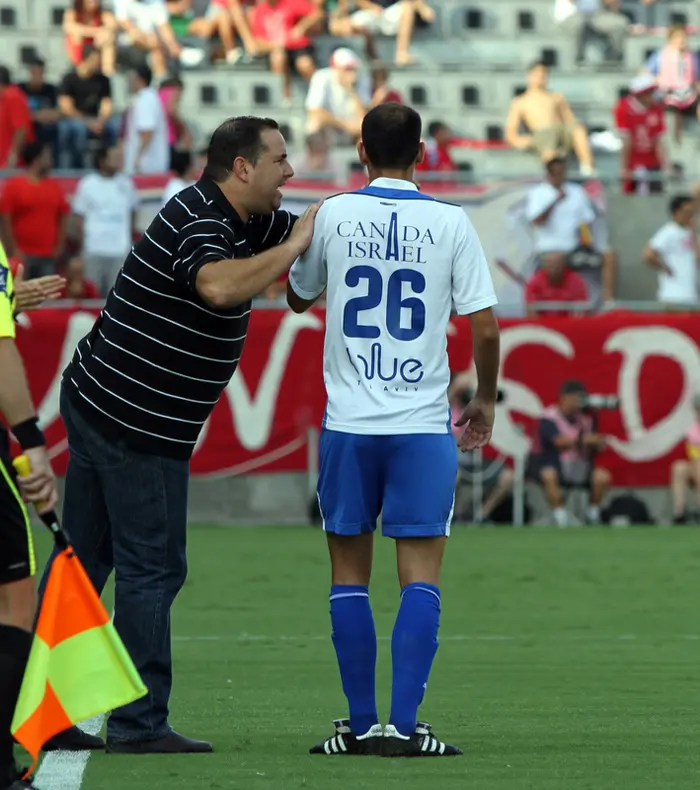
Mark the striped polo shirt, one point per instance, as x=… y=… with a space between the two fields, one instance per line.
x=158 y=357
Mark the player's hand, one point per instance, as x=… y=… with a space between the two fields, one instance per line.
x=303 y=230
x=478 y=420
x=29 y=294
x=39 y=487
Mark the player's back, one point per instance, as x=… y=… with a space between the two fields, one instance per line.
x=390 y=254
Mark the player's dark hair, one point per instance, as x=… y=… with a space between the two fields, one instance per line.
x=677 y=203
x=240 y=136
x=391 y=136
x=32 y=151
x=5 y=76
x=180 y=162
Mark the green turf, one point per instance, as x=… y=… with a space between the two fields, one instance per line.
x=569 y=660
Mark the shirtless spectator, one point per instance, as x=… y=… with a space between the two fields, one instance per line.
x=147 y=26
x=87 y=24
x=552 y=128
x=281 y=29
x=338 y=98
x=602 y=18
x=392 y=18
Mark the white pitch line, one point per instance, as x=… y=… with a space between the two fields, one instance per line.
x=64 y=770
x=455 y=638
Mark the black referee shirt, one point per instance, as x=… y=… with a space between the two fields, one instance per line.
x=158 y=357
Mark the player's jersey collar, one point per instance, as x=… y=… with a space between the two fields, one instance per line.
x=393 y=183
x=393 y=189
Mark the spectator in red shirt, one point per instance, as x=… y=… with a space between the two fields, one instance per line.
x=437 y=149
x=16 y=127
x=35 y=213
x=77 y=284
x=281 y=30
x=554 y=281
x=640 y=119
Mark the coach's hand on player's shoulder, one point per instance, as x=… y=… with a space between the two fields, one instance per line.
x=478 y=420
x=303 y=230
x=39 y=487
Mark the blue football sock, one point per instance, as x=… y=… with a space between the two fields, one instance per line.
x=355 y=643
x=413 y=647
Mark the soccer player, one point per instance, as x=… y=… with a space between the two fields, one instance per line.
x=17 y=564
x=393 y=262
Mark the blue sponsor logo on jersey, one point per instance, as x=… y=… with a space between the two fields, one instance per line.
x=377 y=366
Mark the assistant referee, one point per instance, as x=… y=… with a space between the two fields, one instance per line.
x=143 y=382
x=17 y=564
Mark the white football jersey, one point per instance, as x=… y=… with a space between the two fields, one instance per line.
x=394 y=262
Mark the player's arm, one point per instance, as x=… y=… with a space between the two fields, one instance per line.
x=308 y=276
x=222 y=281
x=473 y=294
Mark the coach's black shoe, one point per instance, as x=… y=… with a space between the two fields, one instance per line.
x=172 y=743
x=345 y=742
x=421 y=744
x=74 y=740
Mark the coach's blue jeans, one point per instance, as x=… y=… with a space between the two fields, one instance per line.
x=128 y=512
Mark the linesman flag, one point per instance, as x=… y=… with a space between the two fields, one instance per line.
x=78 y=666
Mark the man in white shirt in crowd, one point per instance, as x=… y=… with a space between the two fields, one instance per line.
x=146 y=25
x=186 y=170
x=146 y=146
x=673 y=250
x=104 y=208
x=561 y=214
x=338 y=98
x=602 y=18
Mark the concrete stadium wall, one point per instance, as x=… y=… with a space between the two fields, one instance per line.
x=278 y=499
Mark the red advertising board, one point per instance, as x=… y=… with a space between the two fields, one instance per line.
x=260 y=424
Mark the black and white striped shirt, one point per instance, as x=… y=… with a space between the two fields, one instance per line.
x=158 y=357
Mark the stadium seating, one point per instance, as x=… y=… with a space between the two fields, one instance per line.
x=472 y=61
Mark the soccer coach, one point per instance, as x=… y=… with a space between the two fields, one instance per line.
x=142 y=383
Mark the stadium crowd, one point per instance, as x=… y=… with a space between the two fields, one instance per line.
x=75 y=125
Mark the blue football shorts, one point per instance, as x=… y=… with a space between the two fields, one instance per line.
x=409 y=478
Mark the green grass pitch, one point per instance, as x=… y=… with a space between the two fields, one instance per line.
x=569 y=660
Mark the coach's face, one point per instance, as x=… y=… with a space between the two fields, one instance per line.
x=269 y=174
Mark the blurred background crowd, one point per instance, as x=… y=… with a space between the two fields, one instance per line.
x=574 y=121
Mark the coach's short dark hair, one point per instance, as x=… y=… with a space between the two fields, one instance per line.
x=677 y=203
x=32 y=151
x=240 y=136
x=391 y=136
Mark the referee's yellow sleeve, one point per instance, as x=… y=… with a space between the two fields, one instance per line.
x=7 y=298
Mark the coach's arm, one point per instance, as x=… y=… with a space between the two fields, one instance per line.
x=227 y=283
